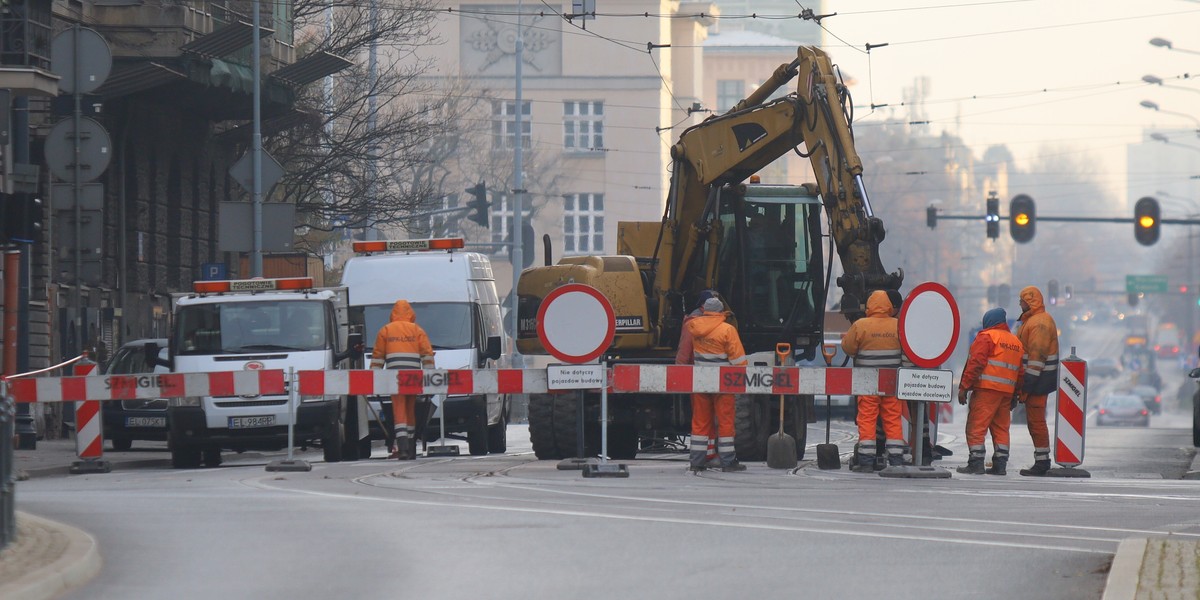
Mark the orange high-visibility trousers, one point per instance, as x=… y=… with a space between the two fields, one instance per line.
x=706 y=407
x=869 y=408
x=1035 y=416
x=404 y=414
x=989 y=411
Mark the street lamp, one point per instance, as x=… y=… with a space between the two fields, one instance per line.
x=1154 y=107
x=1155 y=80
x=1165 y=43
x=1162 y=137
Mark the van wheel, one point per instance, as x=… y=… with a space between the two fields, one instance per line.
x=185 y=457
x=1196 y=420
x=122 y=443
x=477 y=437
x=212 y=456
x=331 y=444
x=498 y=437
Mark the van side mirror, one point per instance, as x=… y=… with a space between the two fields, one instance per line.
x=492 y=351
x=1194 y=373
x=151 y=356
x=354 y=348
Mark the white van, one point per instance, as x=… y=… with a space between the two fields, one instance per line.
x=257 y=324
x=453 y=294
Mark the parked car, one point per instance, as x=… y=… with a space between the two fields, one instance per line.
x=1122 y=408
x=128 y=420
x=1105 y=367
x=1150 y=397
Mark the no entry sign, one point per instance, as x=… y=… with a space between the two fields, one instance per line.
x=929 y=325
x=576 y=323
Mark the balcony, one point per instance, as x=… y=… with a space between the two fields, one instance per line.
x=25 y=35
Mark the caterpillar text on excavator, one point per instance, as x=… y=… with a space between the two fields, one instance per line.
x=758 y=245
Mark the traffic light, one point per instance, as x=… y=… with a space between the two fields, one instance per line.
x=1146 y=221
x=1133 y=298
x=992 y=294
x=993 y=217
x=931 y=216
x=1003 y=294
x=1022 y=218
x=479 y=205
x=1052 y=291
x=1068 y=292
x=22 y=215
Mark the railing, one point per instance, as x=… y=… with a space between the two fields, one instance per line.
x=8 y=484
x=25 y=33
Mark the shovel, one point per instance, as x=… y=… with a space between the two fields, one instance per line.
x=781 y=447
x=828 y=457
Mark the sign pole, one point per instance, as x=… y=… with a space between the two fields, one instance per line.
x=289 y=463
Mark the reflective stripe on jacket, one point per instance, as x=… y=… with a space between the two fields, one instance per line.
x=1039 y=334
x=874 y=340
x=402 y=344
x=994 y=362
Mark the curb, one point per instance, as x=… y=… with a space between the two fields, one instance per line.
x=77 y=564
x=1123 y=577
x=1194 y=471
x=29 y=473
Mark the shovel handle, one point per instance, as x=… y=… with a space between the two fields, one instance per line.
x=783 y=351
x=828 y=351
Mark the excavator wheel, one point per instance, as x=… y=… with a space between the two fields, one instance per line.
x=752 y=427
x=541 y=427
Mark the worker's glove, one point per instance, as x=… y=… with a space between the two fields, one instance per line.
x=962 y=397
x=1015 y=401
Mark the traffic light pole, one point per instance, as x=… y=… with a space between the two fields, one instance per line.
x=1073 y=219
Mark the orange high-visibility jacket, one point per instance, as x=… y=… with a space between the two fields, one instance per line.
x=715 y=342
x=994 y=362
x=874 y=340
x=1039 y=333
x=402 y=344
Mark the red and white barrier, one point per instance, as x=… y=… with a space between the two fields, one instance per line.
x=379 y=382
x=1072 y=412
x=89 y=430
x=159 y=385
x=684 y=379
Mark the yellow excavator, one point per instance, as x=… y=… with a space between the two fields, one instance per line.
x=758 y=245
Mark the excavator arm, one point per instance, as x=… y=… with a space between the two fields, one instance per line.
x=728 y=148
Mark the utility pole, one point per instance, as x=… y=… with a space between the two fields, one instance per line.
x=516 y=254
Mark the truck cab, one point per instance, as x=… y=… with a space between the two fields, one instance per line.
x=256 y=324
x=453 y=294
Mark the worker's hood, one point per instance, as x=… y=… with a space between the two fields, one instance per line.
x=402 y=311
x=879 y=304
x=995 y=317
x=1033 y=297
x=704 y=323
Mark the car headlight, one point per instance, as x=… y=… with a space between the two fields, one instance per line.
x=179 y=402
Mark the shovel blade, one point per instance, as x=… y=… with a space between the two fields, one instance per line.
x=781 y=451
x=828 y=457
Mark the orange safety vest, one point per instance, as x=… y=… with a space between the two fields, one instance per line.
x=1003 y=366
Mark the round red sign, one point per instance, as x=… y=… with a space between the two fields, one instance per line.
x=929 y=325
x=576 y=323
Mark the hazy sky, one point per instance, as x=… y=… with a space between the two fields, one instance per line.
x=1026 y=73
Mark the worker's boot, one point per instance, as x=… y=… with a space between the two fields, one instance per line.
x=973 y=466
x=400 y=450
x=412 y=449
x=895 y=460
x=999 y=465
x=864 y=463
x=1039 y=468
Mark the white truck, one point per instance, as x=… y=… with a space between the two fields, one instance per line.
x=258 y=324
x=453 y=294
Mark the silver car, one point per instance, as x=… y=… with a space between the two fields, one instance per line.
x=1122 y=409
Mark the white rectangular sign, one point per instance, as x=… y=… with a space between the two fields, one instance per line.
x=925 y=385
x=575 y=377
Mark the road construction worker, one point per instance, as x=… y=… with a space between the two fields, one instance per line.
x=683 y=356
x=1039 y=334
x=402 y=344
x=992 y=376
x=714 y=342
x=874 y=341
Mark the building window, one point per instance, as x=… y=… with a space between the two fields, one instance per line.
x=583 y=223
x=583 y=126
x=729 y=93
x=502 y=220
x=504 y=124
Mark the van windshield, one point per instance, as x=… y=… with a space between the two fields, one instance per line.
x=238 y=327
x=448 y=324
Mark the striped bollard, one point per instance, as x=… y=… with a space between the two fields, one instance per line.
x=1069 y=425
x=89 y=429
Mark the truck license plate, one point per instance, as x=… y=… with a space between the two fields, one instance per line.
x=251 y=422
x=145 y=421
